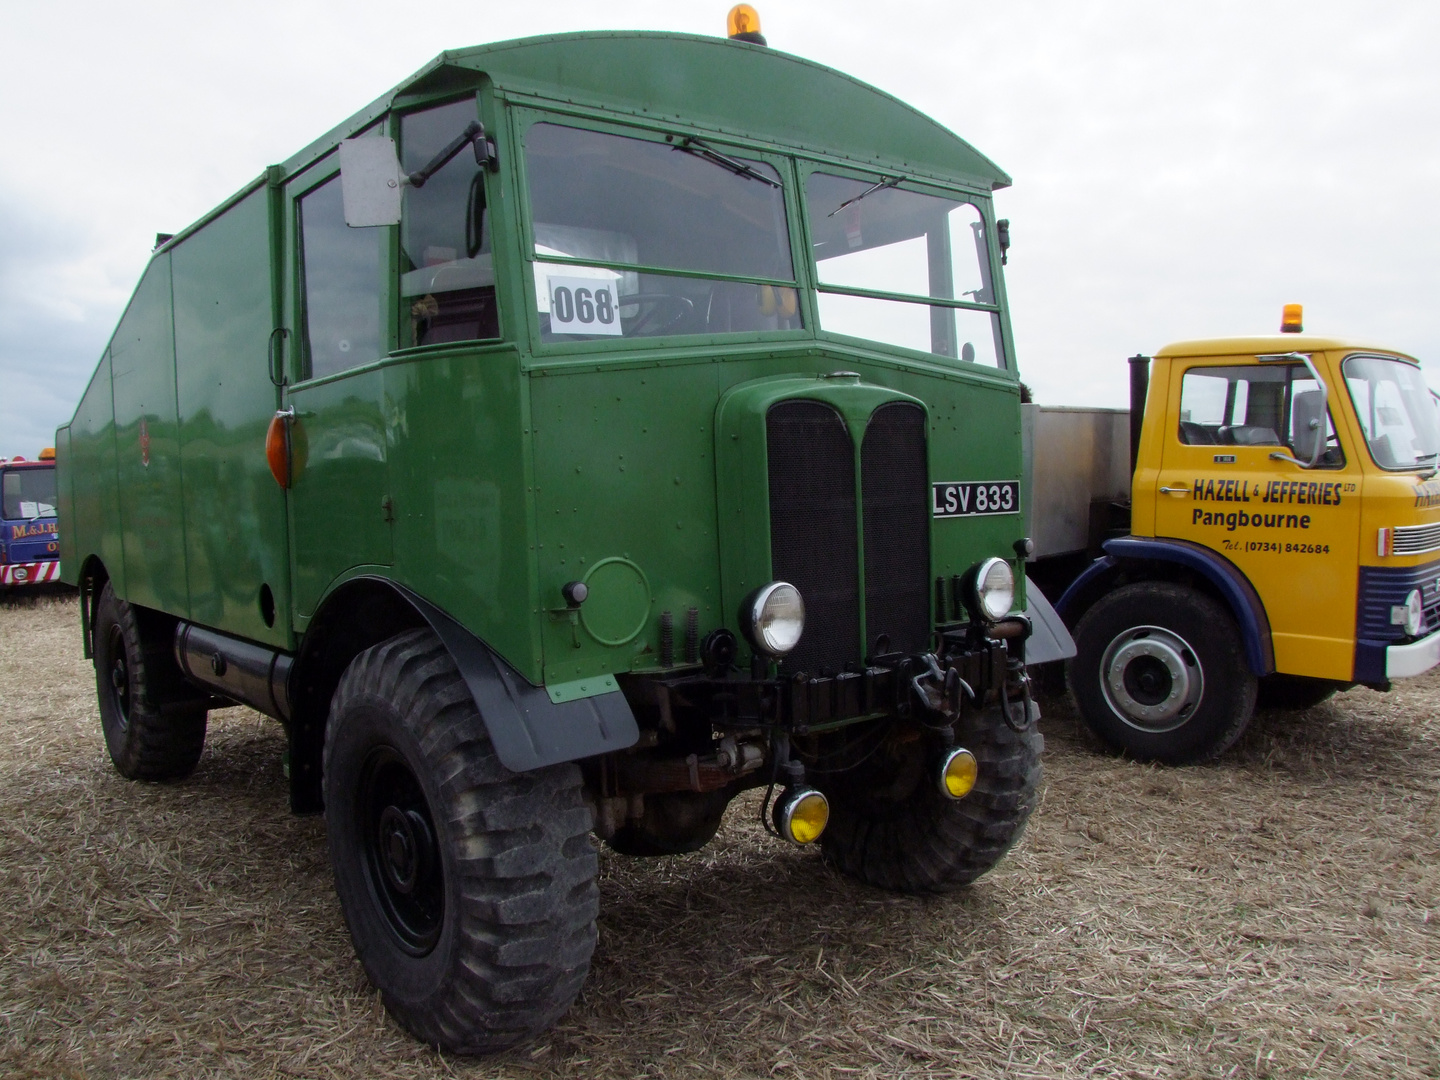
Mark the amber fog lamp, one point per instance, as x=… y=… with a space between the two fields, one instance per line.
x=958 y=773
x=277 y=449
x=1292 y=319
x=743 y=24
x=801 y=815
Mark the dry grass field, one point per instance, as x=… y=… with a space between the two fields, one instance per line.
x=1272 y=916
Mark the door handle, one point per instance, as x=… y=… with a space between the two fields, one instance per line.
x=1174 y=490
x=276 y=356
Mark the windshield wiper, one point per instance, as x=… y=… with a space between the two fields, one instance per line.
x=888 y=182
x=739 y=168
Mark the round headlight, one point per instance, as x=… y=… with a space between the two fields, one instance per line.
x=773 y=618
x=993 y=589
x=1414 y=613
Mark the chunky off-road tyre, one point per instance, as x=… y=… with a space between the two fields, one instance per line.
x=1159 y=673
x=1293 y=693
x=469 y=890
x=675 y=823
x=145 y=743
x=891 y=826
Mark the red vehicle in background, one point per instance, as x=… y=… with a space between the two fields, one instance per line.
x=29 y=546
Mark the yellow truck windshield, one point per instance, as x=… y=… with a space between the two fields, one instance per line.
x=1396 y=411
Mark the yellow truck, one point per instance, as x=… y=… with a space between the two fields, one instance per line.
x=1279 y=538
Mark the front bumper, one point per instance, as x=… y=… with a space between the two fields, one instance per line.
x=1404 y=661
x=30 y=573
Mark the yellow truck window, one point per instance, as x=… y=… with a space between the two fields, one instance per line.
x=1256 y=405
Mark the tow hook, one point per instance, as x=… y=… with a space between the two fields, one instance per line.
x=941 y=689
x=1022 y=713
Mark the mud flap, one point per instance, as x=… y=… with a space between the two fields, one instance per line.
x=1049 y=640
x=527 y=729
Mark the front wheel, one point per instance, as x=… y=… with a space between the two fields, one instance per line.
x=890 y=824
x=1159 y=673
x=469 y=890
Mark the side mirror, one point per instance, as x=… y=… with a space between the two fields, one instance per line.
x=1309 y=426
x=371 y=184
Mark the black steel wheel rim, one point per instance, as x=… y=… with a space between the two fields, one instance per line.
x=119 y=675
x=399 y=851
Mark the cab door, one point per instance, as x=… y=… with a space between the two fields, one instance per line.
x=341 y=513
x=1225 y=483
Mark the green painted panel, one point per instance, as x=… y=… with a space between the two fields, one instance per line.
x=142 y=374
x=760 y=93
x=628 y=464
x=65 y=505
x=234 y=510
x=338 y=513
x=462 y=505
x=93 y=525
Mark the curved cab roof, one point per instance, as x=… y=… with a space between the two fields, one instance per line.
x=731 y=87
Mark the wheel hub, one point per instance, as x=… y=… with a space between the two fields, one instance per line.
x=400 y=851
x=1152 y=679
x=407 y=847
x=119 y=676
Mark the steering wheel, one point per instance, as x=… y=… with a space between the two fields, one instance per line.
x=681 y=308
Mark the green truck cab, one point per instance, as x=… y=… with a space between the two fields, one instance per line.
x=591 y=429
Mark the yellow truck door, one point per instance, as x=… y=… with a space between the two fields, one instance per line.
x=1293 y=531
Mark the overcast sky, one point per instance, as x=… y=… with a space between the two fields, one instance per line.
x=1181 y=170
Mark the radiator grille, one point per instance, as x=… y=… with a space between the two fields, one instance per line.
x=813 y=533
x=1415 y=539
x=895 y=494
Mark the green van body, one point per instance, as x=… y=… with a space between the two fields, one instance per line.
x=484 y=476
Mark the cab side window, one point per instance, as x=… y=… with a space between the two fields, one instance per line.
x=341 y=285
x=447 y=276
x=1256 y=405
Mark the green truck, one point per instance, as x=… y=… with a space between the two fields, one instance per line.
x=589 y=430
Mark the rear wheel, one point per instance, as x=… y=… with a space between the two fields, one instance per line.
x=469 y=890
x=890 y=824
x=144 y=741
x=1159 y=674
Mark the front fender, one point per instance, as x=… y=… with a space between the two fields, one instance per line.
x=1128 y=554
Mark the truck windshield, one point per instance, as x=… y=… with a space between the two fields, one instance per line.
x=1395 y=409
x=28 y=493
x=621 y=211
x=871 y=236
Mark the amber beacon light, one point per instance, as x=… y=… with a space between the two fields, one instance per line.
x=1292 y=319
x=743 y=24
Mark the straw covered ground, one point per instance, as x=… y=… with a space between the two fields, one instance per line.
x=1275 y=915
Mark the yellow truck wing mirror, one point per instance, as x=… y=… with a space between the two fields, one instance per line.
x=371 y=184
x=1309 y=413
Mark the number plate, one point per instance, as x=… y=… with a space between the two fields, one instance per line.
x=584 y=306
x=975 y=498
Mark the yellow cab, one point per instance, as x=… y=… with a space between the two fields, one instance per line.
x=1284 y=542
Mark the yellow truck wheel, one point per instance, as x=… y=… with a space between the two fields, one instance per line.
x=1159 y=674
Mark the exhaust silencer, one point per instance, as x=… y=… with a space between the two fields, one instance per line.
x=250 y=674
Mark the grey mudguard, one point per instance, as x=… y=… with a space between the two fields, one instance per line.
x=1049 y=640
x=527 y=729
